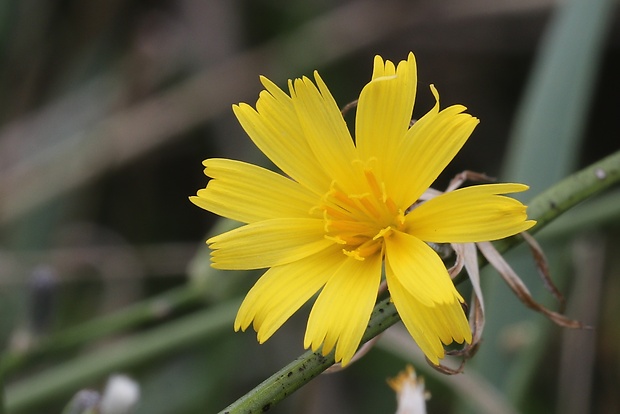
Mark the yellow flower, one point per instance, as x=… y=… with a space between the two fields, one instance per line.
x=345 y=210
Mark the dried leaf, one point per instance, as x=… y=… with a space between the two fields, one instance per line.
x=543 y=269
x=460 y=178
x=467 y=256
x=447 y=370
x=348 y=107
x=519 y=288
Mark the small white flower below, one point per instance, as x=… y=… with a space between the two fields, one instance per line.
x=410 y=392
x=121 y=394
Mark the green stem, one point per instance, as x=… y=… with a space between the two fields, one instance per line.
x=569 y=192
x=150 y=310
x=147 y=311
x=576 y=188
x=2 y=402
x=544 y=208
x=130 y=352
x=299 y=372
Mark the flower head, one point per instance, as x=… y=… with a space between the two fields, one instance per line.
x=410 y=393
x=344 y=210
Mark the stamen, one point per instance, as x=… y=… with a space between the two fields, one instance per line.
x=336 y=239
x=373 y=184
x=367 y=249
x=341 y=197
x=354 y=240
x=354 y=254
x=391 y=206
x=336 y=214
x=361 y=221
x=383 y=233
x=369 y=208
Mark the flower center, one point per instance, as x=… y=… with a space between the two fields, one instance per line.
x=361 y=222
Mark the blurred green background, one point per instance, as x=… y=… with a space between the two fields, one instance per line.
x=108 y=108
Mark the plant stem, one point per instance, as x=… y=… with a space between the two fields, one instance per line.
x=569 y=192
x=134 y=350
x=544 y=208
x=141 y=313
x=299 y=372
x=2 y=402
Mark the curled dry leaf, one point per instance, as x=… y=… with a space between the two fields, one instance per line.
x=543 y=269
x=467 y=257
x=519 y=288
x=447 y=370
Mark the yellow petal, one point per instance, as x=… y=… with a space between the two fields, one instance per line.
x=282 y=290
x=325 y=130
x=275 y=130
x=430 y=145
x=409 y=310
x=268 y=243
x=342 y=311
x=419 y=269
x=429 y=326
x=471 y=214
x=247 y=193
x=384 y=112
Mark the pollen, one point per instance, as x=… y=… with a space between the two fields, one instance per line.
x=361 y=221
